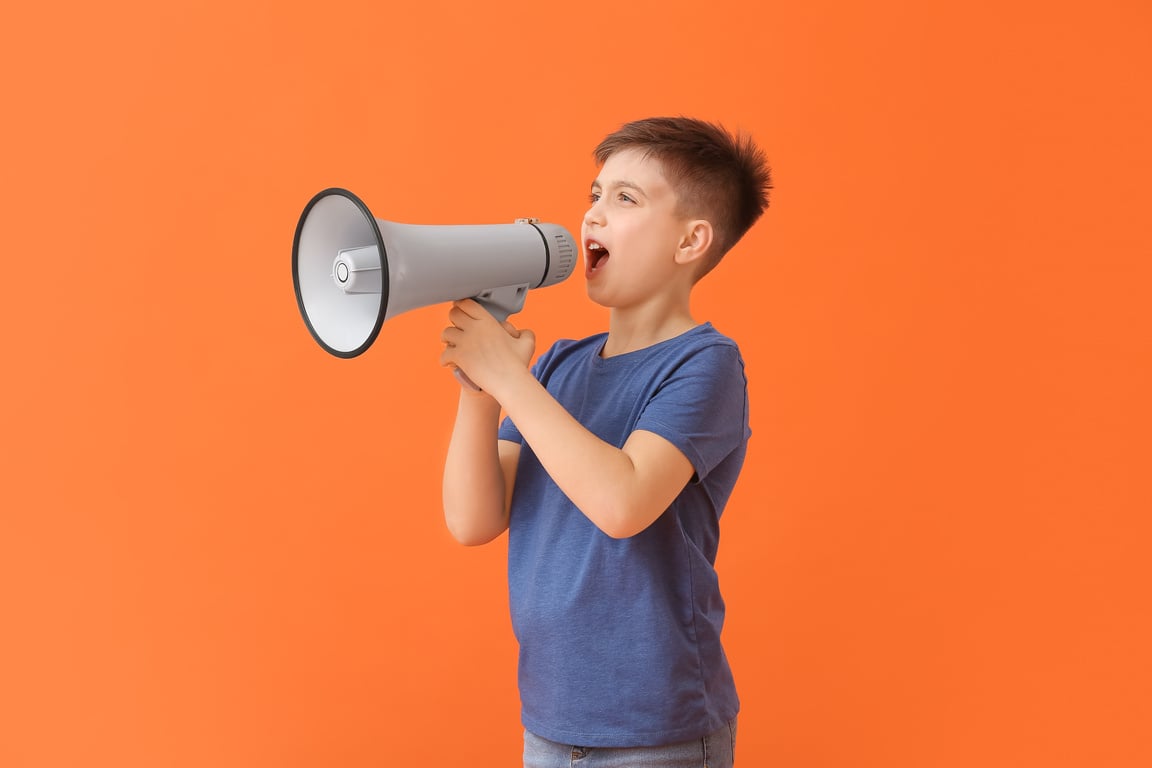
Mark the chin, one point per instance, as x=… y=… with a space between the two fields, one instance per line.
x=596 y=296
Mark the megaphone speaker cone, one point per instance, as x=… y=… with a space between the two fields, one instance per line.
x=336 y=238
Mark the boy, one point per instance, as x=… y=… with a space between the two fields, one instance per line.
x=615 y=461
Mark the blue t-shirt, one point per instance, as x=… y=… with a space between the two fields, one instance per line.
x=620 y=638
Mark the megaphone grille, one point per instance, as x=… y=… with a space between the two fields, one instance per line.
x=344 y=324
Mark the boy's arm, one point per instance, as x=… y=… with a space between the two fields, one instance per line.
x=621 y=490
x=479 y=472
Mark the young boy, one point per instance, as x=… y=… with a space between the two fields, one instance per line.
x=615 y=462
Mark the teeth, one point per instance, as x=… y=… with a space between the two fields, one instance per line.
x=594 y=246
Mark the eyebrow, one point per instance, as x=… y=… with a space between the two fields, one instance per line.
x=621 y=183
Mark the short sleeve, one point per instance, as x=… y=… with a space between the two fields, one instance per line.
x=702 y=407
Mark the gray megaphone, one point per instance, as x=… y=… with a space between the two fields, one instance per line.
x=353 y=271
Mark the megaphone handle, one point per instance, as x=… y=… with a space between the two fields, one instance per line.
x=500 y=303
x=463 y=379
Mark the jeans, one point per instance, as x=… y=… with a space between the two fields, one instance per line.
x=716 y=750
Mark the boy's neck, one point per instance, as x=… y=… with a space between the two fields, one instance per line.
x=636 y=328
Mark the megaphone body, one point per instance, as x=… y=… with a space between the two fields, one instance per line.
x=352 y=271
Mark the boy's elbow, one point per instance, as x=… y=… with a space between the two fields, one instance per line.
x=472 y=535
x=619 y=532
x=624 y=522
x=471 y=538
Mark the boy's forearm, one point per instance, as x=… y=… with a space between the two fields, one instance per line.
x=474 y=494
x=599 y=478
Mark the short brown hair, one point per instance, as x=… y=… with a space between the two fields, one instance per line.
x=717 y=176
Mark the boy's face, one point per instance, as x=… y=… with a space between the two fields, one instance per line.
x=631 y=232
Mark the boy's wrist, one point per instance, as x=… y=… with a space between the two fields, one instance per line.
x=507 y=386
x=478 y=398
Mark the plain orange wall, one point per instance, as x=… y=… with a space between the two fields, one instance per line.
x=221 y=547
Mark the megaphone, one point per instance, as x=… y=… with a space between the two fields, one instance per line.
x=353 y=271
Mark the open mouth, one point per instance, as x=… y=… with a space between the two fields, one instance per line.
x=595 y=255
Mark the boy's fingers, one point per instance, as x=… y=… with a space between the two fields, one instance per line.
x=457 y=315
x=469 y=307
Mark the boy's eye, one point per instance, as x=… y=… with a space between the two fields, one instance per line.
x=621 y=196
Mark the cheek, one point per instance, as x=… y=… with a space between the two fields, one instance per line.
x=630 y=232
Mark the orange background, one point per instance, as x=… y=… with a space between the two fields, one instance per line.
x=220 y=546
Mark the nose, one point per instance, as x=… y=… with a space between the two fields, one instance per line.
x=594 y=214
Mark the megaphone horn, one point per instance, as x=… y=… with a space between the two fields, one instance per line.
x=353 y=271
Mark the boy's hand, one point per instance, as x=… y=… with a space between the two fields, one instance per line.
x=486 y=350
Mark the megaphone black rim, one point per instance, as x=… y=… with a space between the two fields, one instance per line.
x=383 y=279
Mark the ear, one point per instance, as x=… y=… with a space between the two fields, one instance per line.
x=695 y=242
